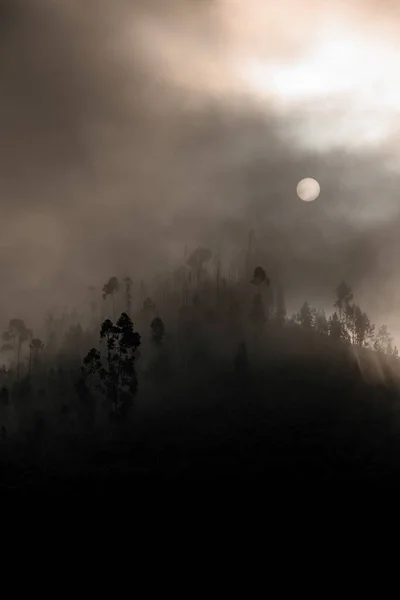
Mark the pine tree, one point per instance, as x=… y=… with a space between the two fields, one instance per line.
x=321 y=323
x=335 y=327
x=305 y=316
x=344 y=297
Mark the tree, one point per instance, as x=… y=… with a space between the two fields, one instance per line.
x=157 y=330
x=362 y=327
x=197 y=259
x=293 y=320
x=344 y=296
x=83 y=387
x=91 y=365
x=383 y=340
x=110 y=289
x=128 y=295
x=148 y=305
x=118 y=373
x=17 y=333
x=306 y=316
x=335 y=327
x=148 y=312
x=321 y=322
x=260 y=277
x=35 y=348
x=349 y=320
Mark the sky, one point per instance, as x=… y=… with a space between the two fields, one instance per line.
x=132 y=128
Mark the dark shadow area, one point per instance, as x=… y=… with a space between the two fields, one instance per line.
x=219 y=387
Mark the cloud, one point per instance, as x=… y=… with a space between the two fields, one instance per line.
x=128 y=132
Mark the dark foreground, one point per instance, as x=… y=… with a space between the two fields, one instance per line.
x=278 y=430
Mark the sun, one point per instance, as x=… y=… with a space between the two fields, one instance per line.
x=308 y=189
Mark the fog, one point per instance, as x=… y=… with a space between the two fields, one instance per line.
x=131 y=129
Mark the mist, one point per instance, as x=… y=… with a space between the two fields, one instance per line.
x=128 y=132
x=169 y=304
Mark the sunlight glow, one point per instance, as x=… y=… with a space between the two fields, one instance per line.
x=346 y=84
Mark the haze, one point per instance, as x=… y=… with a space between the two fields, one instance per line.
x=130 y=129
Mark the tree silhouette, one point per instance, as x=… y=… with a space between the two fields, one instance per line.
x=17 y=333
x=197 y=259
x=110 y=289
x=335 y=327
x=383 y=341
x=91 y=365
x=344 y=296
x=118 y=373
x=35 y=348
x=157 y=330
x=321 y=323
x=305 y=316
x=128 y=295
x=260 y=277
x=363 y=329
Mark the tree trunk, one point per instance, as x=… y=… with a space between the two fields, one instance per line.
x=18 y=354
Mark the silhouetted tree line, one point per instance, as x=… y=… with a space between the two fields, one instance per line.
x=197 y=322
x=348 y=323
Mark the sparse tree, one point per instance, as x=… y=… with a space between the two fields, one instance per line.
x=110 y=289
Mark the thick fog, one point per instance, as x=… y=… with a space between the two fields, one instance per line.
x=131 y=129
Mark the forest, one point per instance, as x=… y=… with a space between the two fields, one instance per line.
x=199 y=374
